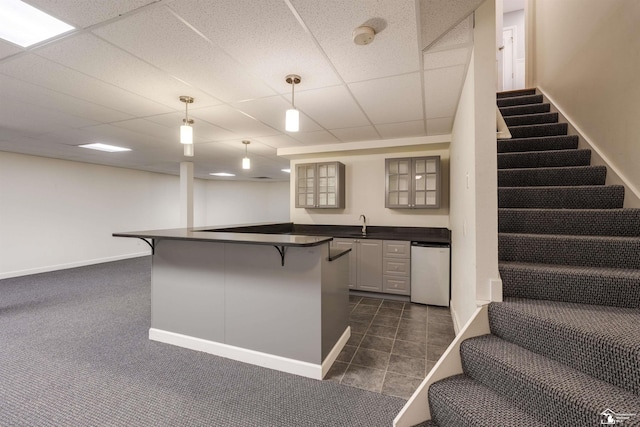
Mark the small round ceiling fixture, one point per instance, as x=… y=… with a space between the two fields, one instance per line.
x=363 y=35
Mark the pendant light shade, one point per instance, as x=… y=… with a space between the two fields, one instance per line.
x=186 y=134
x=246 y=161
x=186 y=130
x=292 y=119
x=292 y=122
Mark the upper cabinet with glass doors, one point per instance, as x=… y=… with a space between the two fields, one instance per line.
x=413 y=182
x=320 y=185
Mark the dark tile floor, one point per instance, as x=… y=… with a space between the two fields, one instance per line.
x=393 y=345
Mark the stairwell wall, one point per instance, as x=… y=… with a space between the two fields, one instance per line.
x=588 y=66
x=473 y=182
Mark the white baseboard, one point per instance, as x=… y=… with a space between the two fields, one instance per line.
x=271 y=361
x=48 y=268
x=335 y=351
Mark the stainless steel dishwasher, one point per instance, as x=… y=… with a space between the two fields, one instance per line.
x=430 y=273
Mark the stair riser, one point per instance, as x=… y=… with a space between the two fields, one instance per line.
x=520 y=110
x=580 y=351
x=618 y=252
x=602 y=197
x=591 y=175
x=544 y=159
x=570 y=222
x=517 y=92
x=520 y=100
x=569 y=142
x=611 y=290
x=534 y=131
x=531 y=119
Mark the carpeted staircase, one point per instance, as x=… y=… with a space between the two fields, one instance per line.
x=565 y=343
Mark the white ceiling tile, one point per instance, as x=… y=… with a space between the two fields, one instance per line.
x=267 y=54
x=202 y=130
x=438 y=16
x=442 y=90
x=271 y=111
x=446 y=58
x=441 y=126
x=20 y=115
x=402 y=130
x=163 y=40
x=234 y=121
x=317 y=138
x=460 y=35
x=84 y=13
x=331 y=107
x=95 y=57
x=390 y=99
x=17 y=91
x=42 y=72
x=362 y=133
x=394 y=50
x=8 y=49
x=280 y=141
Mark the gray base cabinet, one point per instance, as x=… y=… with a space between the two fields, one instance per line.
x=396 y=267
x=365 y=263
x=378 y=265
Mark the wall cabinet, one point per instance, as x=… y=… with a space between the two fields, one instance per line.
x=365 y=263
x=320 y=185
x=413 y=182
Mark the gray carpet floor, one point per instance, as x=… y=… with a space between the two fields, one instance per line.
x=74 y=351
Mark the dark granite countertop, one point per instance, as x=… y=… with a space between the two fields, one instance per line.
x=255 y=238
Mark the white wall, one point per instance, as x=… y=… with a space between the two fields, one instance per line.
x=586 y=60
x=58 y=214
x=365 y=190
x=474 y=207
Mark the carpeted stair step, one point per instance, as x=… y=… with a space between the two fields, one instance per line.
x=580 y=336
x=583 y=285
x=460 y=401
x=537 y=159
x=428 y=423
x=519 y=100
x=533 y=131
x=562 y=142
x=517 y=92
x=531 y=119
x=557 y=394
x=570 y=197
x=518 y=110
x=582 y=222
x=594 y=251
x=560 y=176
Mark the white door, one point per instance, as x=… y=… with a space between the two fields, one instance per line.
x=508 y=68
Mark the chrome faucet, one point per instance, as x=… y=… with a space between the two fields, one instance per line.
x=364 y=223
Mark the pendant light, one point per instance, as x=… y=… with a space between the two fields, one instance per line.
x=292 y=120
x=246 y=162
x=186 y=130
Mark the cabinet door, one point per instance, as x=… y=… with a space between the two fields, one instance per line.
x=353 y=258
x=370 y=265
x=398 y=172
x=305 y=185
x=426 y=192
x=327 y=185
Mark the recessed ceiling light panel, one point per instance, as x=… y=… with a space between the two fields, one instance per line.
x=222 y=174
x=104 y=147
x=24 y=25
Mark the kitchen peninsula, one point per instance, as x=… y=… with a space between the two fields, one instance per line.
x=272 y=299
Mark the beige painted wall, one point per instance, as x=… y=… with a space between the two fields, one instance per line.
x=587 y=60
x=474 y=211
x=365 y=190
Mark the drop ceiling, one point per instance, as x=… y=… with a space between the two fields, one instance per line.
x=117 y=78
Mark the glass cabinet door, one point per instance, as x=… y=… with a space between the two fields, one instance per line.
x=327 y=184
x=398 y=183
x=425 y=172
x=305 y=185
